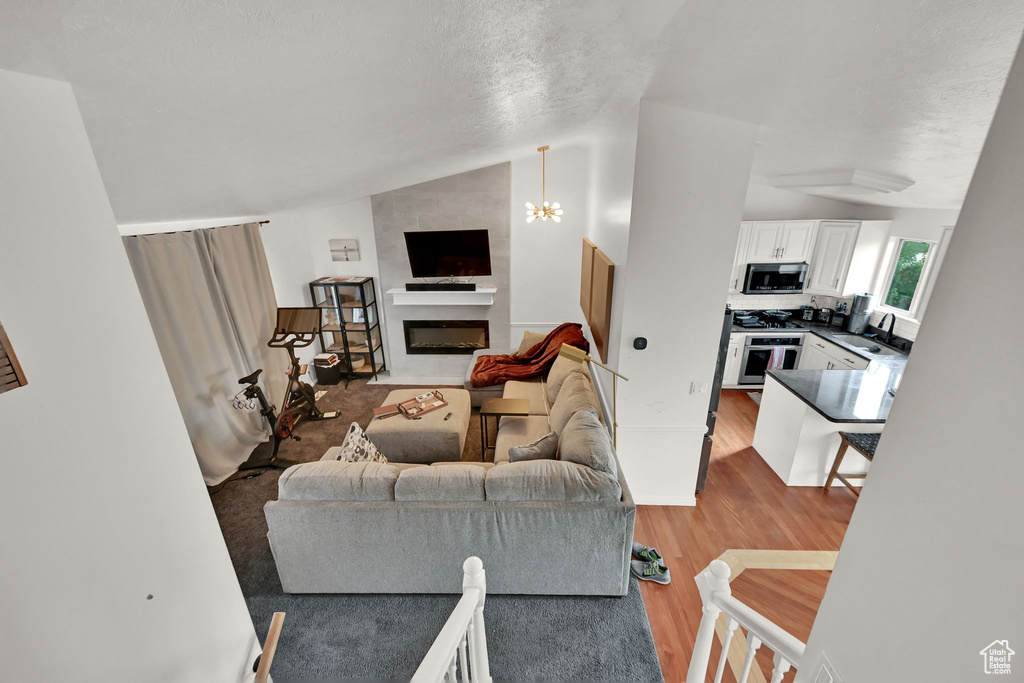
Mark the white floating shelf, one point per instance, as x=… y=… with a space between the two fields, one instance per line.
x=482 y=296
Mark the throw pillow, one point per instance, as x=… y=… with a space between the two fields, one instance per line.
x=585 y=441
x=358 y=448
x=543 y=448
x=576 y=394
x=530 y=339
x=560 y=370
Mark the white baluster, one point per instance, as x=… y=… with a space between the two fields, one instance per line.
x=730 y=629
x=753 y=642
x=781 y=667
x=465 y=662
x=473 y=577
x=714 y=579
x=451 y=671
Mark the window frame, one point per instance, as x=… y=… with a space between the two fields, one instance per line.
x=922 y=293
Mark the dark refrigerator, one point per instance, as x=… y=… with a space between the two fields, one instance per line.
x=716 y=394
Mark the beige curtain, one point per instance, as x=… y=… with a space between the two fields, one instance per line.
x=211 y=303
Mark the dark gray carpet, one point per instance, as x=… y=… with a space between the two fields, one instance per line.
x=364 y=637
x=529 y=638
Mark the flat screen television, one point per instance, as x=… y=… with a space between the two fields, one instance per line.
x=449 y=253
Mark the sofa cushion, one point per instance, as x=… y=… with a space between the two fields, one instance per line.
x=560 y=370
x=585 y=441
x=518 y=431
x=531 y=391
x=530 y=339
x=544 y=448
x=455 y=482
x=356 y=447
x=471 y=463
x=576 y=394
x=338 y=481
x=550 y=481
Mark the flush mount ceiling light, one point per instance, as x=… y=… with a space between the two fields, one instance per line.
x=848 y=181
x=545 y=211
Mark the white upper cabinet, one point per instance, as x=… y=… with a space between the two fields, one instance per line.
x=764 y=242
x=796 y=240
x=739 y=265
x=788 y=241
x=845 y=258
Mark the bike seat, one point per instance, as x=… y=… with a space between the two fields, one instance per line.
x=251 y=379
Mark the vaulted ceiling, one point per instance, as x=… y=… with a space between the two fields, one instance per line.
x=215 y=108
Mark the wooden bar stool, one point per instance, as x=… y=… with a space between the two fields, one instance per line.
x=865 y=444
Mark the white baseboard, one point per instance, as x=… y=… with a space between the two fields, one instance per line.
x=419 y=381
x=686 y=501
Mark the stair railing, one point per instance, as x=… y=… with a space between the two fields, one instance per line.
x=713 y=584
x=266 y=659
x=459 y=653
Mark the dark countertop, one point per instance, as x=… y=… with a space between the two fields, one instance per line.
x=846 y=395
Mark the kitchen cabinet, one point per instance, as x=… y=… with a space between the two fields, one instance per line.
x=813 y=358
x=845 y=257
x=788 y=241
x=739 y=261
x=731 y=374
x=819 y=354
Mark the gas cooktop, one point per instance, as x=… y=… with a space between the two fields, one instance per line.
x=761 y=320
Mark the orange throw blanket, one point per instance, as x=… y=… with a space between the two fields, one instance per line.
x=490 y=370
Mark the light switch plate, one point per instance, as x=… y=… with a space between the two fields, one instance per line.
x=826 y=671
x=698 y=388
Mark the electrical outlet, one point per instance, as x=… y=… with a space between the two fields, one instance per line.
x=826 y=672
x=699 y=387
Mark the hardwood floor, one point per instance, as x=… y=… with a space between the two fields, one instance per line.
x=744 y=505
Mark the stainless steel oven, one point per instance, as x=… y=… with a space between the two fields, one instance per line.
x=757 y=355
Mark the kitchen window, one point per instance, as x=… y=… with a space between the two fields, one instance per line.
x=908 y=273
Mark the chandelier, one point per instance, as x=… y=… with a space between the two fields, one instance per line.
x=545 y=211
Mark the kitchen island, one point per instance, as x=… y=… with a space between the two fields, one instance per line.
x=803 y=411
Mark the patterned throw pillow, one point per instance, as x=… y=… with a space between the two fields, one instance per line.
x=358 y=448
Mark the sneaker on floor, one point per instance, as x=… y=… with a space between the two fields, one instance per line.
x=650 y=571
x=646 y=554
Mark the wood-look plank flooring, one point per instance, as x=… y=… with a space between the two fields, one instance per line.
x=744 y=505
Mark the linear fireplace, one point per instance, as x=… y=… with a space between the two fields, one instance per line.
x=446 y=336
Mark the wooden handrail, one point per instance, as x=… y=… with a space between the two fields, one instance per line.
x=269 y=648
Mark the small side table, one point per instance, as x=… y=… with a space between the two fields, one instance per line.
x=499 y=407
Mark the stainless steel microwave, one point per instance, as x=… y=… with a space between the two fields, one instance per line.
x=775 y=278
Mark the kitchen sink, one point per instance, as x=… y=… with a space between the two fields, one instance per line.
x=869 y=345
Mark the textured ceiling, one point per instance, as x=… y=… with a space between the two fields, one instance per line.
x=214 y=108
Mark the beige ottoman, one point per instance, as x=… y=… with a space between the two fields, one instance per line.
x=429 y=439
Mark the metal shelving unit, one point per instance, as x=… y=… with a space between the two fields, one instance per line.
x=350 y=324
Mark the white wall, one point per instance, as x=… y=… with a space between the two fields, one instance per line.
x=611 y=201
x=351 y=220
x=929 y=570
x=690 y=178
x=104 y=503
x=545 y=262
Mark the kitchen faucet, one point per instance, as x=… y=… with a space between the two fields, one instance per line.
x=892 y=322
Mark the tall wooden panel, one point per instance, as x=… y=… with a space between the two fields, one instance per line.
x=596 y=282
x=586 y=278
x=11 y=374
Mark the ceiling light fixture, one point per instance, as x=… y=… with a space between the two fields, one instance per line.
x=847 y=181
x=545 y=211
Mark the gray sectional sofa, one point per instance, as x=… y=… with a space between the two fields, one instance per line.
x=546 y=526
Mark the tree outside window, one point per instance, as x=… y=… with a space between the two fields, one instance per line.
x=906 y=274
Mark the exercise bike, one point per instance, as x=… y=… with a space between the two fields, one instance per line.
x=296 y=328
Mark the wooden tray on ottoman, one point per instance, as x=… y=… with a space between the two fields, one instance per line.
x=421 y=405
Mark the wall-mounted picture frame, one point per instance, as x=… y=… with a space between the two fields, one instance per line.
x=344 y=250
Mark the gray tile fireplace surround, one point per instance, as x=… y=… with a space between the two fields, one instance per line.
x=472 y=200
